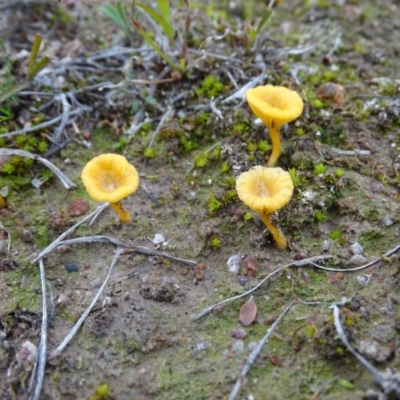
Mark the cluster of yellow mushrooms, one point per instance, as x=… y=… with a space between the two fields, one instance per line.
x=110 y=177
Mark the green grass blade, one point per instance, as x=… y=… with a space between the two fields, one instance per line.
x=13 y=90
x=39 y=66
x=164 y=9
x=34 y=53
x=169 y=31
x=116 y=14
x=266 y=16
x=155 y=47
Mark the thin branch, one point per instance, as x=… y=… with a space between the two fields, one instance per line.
x=293 y=264
x=64 y=118
x=239 y=94
x=339 y=329
x=45 y=124
x=91 y=239
x=151 y=252
x=41 y=360
x=254 y=354
x=54 y=244
x=81 y=320
x=365 y=266
x=68 y=184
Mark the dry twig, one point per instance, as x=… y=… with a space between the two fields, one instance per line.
x=56 y=352
x=68 y=184
x=40 y=364
x=292 y=264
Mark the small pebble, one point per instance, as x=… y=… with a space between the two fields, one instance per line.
x=70 y=267
x=387 y=221
x=233 y=263
x=238 y=346
x=201 y=345
x=238 y=333
x=356 y=248
x=27 y=353
x=358 y=259
x=78 y=208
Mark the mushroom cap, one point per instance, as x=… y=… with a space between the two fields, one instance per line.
x=264 y=189
x=109 y=177
x=274 y=105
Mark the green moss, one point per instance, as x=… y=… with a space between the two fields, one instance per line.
x=320 y=216
x=210 y=87
x=319 y=169
x=215 y=242
x=200 y=160
x=248 y=216
x=213 y=204
x=335 y=234
x=149 y=152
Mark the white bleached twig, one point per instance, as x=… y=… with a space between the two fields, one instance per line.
x=339 y=329
x=68 y=184
x=81 y=320
x=41 y=360
x=54 y=244
x=292 y=264
x=256 y=351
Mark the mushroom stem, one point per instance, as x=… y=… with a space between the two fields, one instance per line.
x=122 y=214
x=276 y=232
x=276 y=145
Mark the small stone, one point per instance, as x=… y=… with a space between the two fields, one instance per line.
x=57 y=220
x=78 y=208
x=70 y=267
x=201 y=345
x=238 y=346
x=387 y=221
x=358 y=259
x=233 y=263
x=238 y=333
x=356 y=248
x=26 y=235
x=27 y=353
x=251 y=265
x=374 y=351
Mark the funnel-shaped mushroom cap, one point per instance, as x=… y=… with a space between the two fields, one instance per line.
x=110 y=177
x=274 y=105
x=264 y=189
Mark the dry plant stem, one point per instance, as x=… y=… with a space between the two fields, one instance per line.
x=122 y=214
x=151 y=252
x=44 y=124
x=239 y=94
x=339 y=329
x=365 y=266
x=300 y=263
x=41 y=361
x=254 y=354
x=97 y=213
x=276 y=231
x=68 y=184
x=81 y=320
x=64 y=118
x=93 y=239
x=276 y=145
x=56 y=242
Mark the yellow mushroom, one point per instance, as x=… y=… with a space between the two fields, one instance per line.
x=266 y=190
x=275 y=106
x=110 y=177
